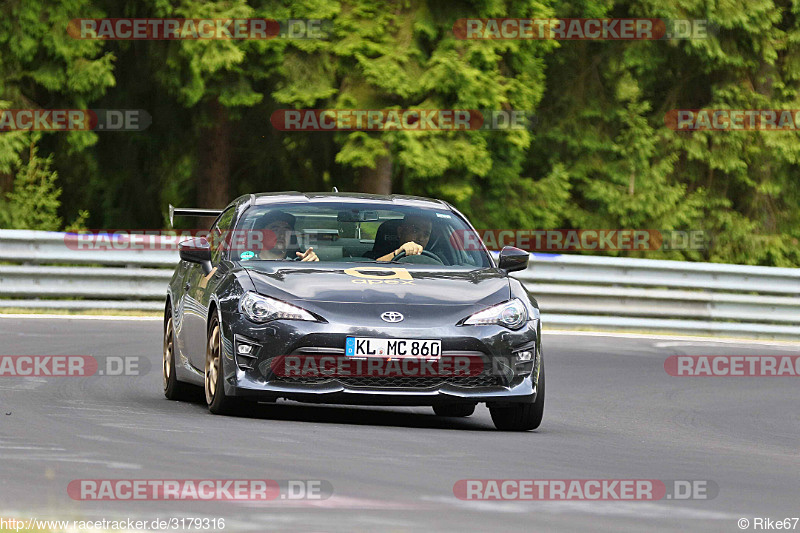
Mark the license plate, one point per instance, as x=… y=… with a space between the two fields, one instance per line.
x=373 y=347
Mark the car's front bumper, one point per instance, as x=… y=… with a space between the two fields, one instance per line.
x=336 y=392
x=504 y=379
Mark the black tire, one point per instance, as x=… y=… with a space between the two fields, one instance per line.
x=173 y=389
x=454 y=409
x=522 y=416
x=217 y=402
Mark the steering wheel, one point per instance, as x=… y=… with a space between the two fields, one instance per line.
x=426 y=253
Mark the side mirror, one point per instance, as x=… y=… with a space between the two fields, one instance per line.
x=196 y=250
x=513 y=259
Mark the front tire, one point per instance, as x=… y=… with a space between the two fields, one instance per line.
x=218 y=403
x=522 y=416
x=173 y=389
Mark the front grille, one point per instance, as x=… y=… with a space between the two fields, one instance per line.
x=484 y=379
x=402 y=382
x=414 y=382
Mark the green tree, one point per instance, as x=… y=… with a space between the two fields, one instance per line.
x=42 y=67
x=34 y=200
x=603 y=122
x=600 y=156
x=404 y=55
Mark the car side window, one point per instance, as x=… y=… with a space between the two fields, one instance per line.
x=220 y=234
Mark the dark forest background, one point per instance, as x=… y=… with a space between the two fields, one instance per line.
x=599 y=157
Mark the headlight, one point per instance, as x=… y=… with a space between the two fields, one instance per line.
x=511 y=314
x=263 y=309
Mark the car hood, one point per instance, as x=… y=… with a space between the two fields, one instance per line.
x=372 y=284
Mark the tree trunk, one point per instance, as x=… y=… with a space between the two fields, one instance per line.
x=215 y=159
x=377 y=180
x=6 y=182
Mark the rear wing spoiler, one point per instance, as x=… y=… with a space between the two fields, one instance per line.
x=191 y=212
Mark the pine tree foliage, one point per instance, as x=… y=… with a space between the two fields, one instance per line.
x=600 y=156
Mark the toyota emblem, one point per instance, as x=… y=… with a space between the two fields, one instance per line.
x=392 y=316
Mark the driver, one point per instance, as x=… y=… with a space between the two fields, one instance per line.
x=414 y=232
x=282 y=224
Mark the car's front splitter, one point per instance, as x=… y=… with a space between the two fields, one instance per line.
x=522 y=391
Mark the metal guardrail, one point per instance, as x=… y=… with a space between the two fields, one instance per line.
x=573 y=291
x=647 y=294
x=46 y=247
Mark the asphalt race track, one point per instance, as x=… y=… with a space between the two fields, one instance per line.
x=612 y=412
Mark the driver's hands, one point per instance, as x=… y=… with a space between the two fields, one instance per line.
x=410 y=248
x=308 y=255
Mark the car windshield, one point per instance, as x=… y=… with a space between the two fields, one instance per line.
x=352 y=232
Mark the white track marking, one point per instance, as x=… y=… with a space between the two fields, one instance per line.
x=621 y=509
x=86 y=317
x=720 y=340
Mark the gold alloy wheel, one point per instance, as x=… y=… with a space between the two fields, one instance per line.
x=212 y=364
x=168 y=353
